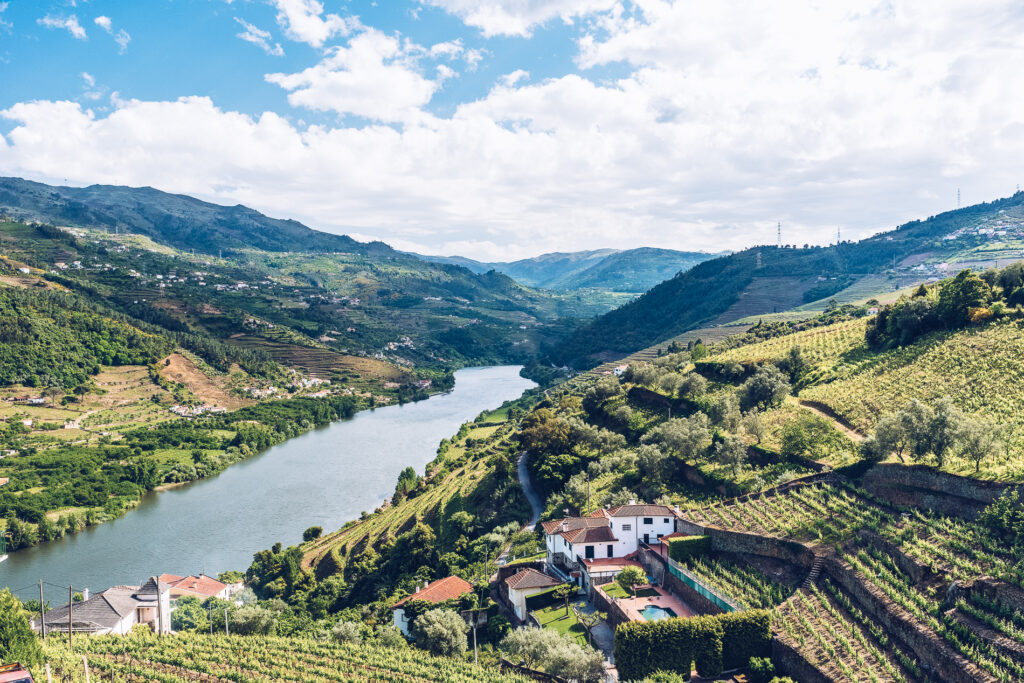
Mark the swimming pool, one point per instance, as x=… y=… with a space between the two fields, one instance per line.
x=655 y=613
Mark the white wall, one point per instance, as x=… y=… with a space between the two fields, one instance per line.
x=401 y=622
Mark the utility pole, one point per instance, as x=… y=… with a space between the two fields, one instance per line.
x=42 y=613
x=71 y=608
x=159 y=610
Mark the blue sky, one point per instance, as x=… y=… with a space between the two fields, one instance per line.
x=503 y=128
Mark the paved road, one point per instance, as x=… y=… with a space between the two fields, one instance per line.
x=536 y=505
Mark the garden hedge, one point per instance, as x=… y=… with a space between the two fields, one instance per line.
x=710 y=642
x=686 y=547
x=541 y=600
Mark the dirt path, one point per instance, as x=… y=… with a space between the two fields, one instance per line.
x=856 y=436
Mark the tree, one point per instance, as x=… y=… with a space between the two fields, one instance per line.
x=795 y=363
x=958 y=296
x=945 y=428
x=189 y=615
x=312 y=533
x=253 y=620
x=693 y=385
x=651 y=462
x=563 y=592
x=529 y=646
x=979 y=440
x=731 y=452
x=17 y=641
x=570 y=660
x=765 y=389
x=754 y=425
x=442 y=632
x=1005 y=517
x=347 y=632
x=686 y=437
x=631 y=577
x=891 y=436
x=916 y=420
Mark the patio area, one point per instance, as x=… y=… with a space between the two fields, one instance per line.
x=655 y=604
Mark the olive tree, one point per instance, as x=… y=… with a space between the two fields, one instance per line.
x=442 y=632
x=766 y=389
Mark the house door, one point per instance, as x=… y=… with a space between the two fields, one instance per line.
x=647 y=538
x=589 y=552
x=610 y=551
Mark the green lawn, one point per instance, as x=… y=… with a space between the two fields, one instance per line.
x=531 y=558
x=614 y=590
x=554 y=617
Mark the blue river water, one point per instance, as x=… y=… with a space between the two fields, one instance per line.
x=323 y=478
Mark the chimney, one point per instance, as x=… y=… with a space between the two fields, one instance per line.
x=565 y=525
x=85 y=594
x=632 y=501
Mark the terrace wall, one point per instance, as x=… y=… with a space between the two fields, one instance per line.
x=1008 y=594
x=931 y=651
x=915 y=570
x=742 y=543
x=925 y=487
x=789 y=662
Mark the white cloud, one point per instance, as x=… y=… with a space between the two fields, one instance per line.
x=304 y=21
x=69 y=23
x=731 y=116
x=518 y=17
x=122 y=38
x=5 y=25
x=260 y=38
x=454 y=49
x=374 y=77
x=89 y=80
x=509 y=80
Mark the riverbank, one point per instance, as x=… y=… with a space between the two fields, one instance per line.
x=324 y=478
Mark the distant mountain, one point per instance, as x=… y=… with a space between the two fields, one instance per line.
x=768 y=279
x=630 y=270
x=173 y=219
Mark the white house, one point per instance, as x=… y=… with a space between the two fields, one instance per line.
x=606 y=533
x=442 y=590
x=525 y=583
x=114 y=611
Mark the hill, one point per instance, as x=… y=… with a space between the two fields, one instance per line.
x=612 y=270
x=177 y=220
x=764 y=280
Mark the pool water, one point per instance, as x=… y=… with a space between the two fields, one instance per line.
x=655 y=613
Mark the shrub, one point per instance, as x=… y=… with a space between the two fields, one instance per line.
x=675 y=645
x=442 y=632
x=745 y=635
x=17 y=641
x=761 y=669
x=682 y=549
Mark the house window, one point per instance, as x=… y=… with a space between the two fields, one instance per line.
x=589 y=552
x=610 y=550
x=665 y=520
x=627 y=527
x=648 y=520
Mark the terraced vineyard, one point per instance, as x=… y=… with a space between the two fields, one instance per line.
x=746 y=586
x=814 y=513
x=186 y=658
x=880 y=570
x=821 y=344
x=978 y=368
x=392 y=520
x=955 y=547
x=1001 y=618
x=320 y=363
x=840 y=640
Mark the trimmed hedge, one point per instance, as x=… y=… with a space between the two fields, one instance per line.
x=541 y=600
x=682 y=549
x=746 y=634
x=710 y=642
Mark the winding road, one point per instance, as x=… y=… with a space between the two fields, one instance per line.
x=536 y=505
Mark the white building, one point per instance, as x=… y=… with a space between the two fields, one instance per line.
x=114 y=611
x=614 y=532
x=442 y=590
x=525 y=583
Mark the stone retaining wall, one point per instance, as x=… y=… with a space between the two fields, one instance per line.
x=925 y=487
x=725 y=541
x=789 y=662
x=915 y=570
x=931 y=651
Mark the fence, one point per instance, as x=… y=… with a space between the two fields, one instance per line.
x=695 y=584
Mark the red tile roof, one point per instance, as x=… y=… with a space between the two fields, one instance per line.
x=448 y=588
x=573 y=524
x=200 y=585
x=4 y=480
x=599 y=534
x=531 y=578
x=642 y=511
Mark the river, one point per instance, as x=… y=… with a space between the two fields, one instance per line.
x=322 y=478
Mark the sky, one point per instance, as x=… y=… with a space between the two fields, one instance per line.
x=501 y=129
